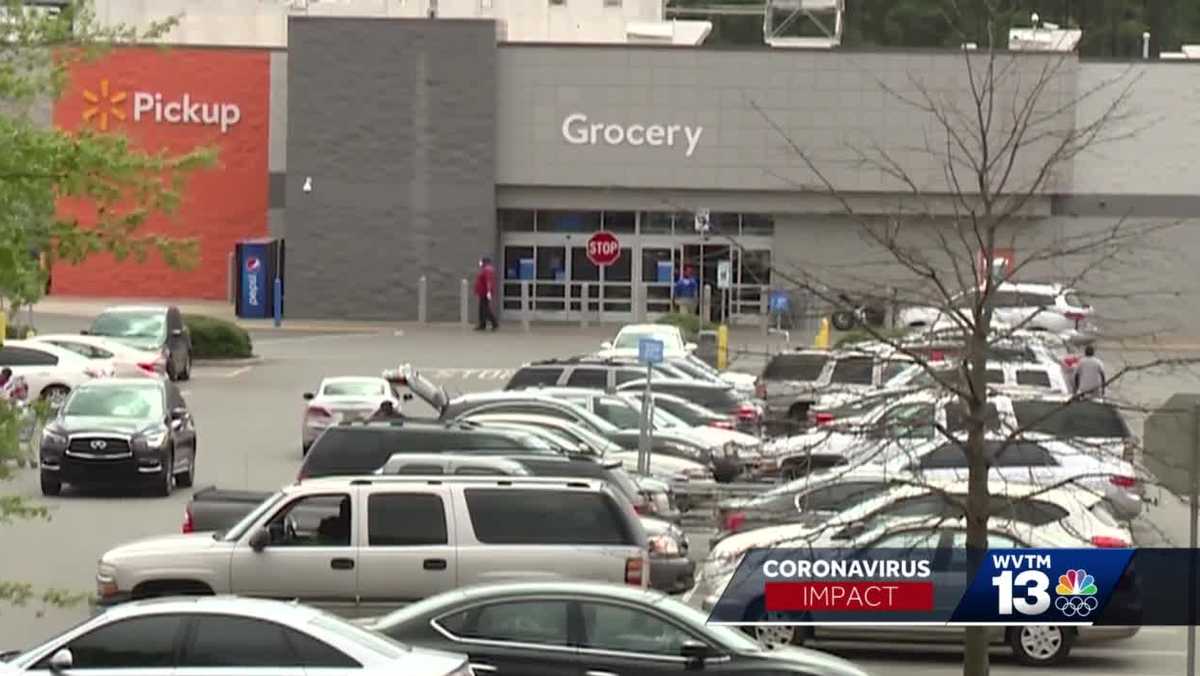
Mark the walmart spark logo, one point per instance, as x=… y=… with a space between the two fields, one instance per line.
x=1076 y=593
x=104 y=104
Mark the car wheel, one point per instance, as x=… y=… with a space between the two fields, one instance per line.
x=56 y=394
x=844 y=320
x=775 y=636
x=1040 y=645
x=187 y=478
x=164 y=482
x=51 y=486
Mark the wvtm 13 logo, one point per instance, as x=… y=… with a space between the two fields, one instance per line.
x=1027 y=592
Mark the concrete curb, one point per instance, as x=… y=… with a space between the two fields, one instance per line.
x=223 y=361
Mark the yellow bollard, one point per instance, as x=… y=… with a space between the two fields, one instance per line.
x=821 y=342
x=722 y=346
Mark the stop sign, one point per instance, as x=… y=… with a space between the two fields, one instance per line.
x=603 y=249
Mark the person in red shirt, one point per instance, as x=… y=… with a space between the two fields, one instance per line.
x=485 y=291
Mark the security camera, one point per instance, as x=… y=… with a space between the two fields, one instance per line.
x=307 y=187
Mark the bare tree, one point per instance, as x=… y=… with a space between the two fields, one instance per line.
x=998 y=142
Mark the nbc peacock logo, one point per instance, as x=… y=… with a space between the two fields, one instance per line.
x=1076 y=593
x=104 y=103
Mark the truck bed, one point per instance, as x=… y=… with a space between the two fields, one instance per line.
x=215 y=508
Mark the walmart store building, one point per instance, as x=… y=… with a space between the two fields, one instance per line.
x=425 y=144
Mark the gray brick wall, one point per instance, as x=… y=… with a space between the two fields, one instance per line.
x=394 y=121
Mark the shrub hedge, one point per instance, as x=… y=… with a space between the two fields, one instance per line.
x=214 y=338
x=689 y=324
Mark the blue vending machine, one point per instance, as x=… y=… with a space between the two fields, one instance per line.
x=259 y=265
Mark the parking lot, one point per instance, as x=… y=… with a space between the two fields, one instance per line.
x=248 y=417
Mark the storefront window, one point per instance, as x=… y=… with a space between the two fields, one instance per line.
x=515 y=220
x=656 y=222
x=619 y=221
x=568 y=221
x=756 y=267
x=582 y=269
x=519 y=263
x=551 y=263
x=758 y=224
x=724 y=223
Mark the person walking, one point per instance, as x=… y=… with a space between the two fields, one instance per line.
x=485 y=291
x=686 y=290
x=1090 y=379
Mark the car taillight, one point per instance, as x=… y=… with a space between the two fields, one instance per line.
x=937 y=355
x=734 y=521
x=1071 y=361
x=189 y=526
x=1122 y=481
x=747 y=412
x=318 y=412
x=1108 y=542
x=635 y=569
x=721 y=424
x=641 y=508
x=760 y=389
x=1075 y=316
x=823 y=418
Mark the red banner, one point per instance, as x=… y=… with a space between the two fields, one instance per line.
x=849 y=596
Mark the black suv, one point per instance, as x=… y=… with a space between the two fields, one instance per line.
x=346 y=449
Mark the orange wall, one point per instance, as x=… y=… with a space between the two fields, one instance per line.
x=220 y=205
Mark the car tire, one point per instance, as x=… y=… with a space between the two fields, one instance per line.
x=772 y=636
x=51 y=486
x=164 y=481
x=55 y=394
x=186 y=373
x=844 y=320
x=1041 y=645
x=188 y=478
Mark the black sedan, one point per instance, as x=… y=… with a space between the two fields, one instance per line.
x=120 y=431
x=578 y=628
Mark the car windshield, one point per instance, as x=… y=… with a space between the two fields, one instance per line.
x=354 y=388
x=134 y=402
x=628 y=340
x=1085 y=419
x=147 y=325
x=379 y=644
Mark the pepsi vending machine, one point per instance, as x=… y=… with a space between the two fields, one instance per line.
x=259 y=262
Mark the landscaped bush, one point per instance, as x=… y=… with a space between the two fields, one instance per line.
x=18 y=331
x=688 y=323
x=214 y=338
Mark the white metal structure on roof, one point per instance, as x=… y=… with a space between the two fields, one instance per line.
x=1044 y=38
x=825 y=15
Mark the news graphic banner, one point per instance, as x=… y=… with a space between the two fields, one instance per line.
x=943 y=586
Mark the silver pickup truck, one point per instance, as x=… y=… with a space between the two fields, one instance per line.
x=361 y=546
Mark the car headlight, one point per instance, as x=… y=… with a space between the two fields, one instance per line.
x=150 y=439
x=52 y=436
x=664 y=545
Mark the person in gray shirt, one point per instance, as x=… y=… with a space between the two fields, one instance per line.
x=1090 y=380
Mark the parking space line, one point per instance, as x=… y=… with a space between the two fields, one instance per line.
x=237 y=372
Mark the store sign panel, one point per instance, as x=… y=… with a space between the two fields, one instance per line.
x=580 y=130
x=105 y=105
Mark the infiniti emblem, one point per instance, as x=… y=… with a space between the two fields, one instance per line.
x=99 y=445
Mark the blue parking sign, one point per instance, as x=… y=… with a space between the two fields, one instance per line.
x=650 y=351
x=779 y=302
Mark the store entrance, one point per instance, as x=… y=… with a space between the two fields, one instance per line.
x=703 y=259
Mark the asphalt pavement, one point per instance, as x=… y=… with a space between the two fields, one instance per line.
x=249 y=417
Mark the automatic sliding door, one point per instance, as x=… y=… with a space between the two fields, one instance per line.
x=617 y=293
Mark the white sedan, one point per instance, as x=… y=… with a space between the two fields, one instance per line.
x=49 y=371
x=344 y=398
x=626 y=342
x=227 y=635
x=126 y=361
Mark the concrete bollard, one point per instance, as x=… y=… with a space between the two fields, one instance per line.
x=464 y=303
x=584 y=301
x=422 y=299
x=705 y=305
x=525 y=309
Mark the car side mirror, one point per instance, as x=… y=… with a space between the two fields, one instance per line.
x=606 y=345
x=260 y=539
x=309 y=396
x=695 y=653
x=62 y=660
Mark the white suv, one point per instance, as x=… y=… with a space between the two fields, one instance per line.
x=1037 y=307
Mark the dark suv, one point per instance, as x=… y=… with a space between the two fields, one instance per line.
x=345 y=450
